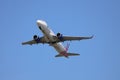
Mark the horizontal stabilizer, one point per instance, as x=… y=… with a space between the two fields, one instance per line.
x=69 y=54
x=73 y=54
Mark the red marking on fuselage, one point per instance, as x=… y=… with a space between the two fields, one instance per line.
x=64 y=53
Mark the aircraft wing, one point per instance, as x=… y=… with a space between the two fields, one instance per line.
x=71 y=38
x=29 y=42
x=57 y=39
x=35 y=41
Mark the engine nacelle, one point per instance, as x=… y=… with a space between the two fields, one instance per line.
x=36 y=38
x=60 y=36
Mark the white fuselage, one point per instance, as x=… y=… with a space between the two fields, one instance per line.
x=48 y=34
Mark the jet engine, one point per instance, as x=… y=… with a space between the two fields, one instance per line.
x=60 y=36
x=36 y=38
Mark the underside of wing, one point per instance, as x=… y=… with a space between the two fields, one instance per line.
x=35 y=40
x=70 y=38
x=29 y=42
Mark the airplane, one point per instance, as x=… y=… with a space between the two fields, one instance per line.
x=54 y=40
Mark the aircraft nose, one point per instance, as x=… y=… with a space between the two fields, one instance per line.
x=38 y=22
x=41 y=22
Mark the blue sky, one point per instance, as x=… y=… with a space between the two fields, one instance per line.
x=100 y=56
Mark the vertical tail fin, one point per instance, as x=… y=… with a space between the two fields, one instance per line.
x=67 y=47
